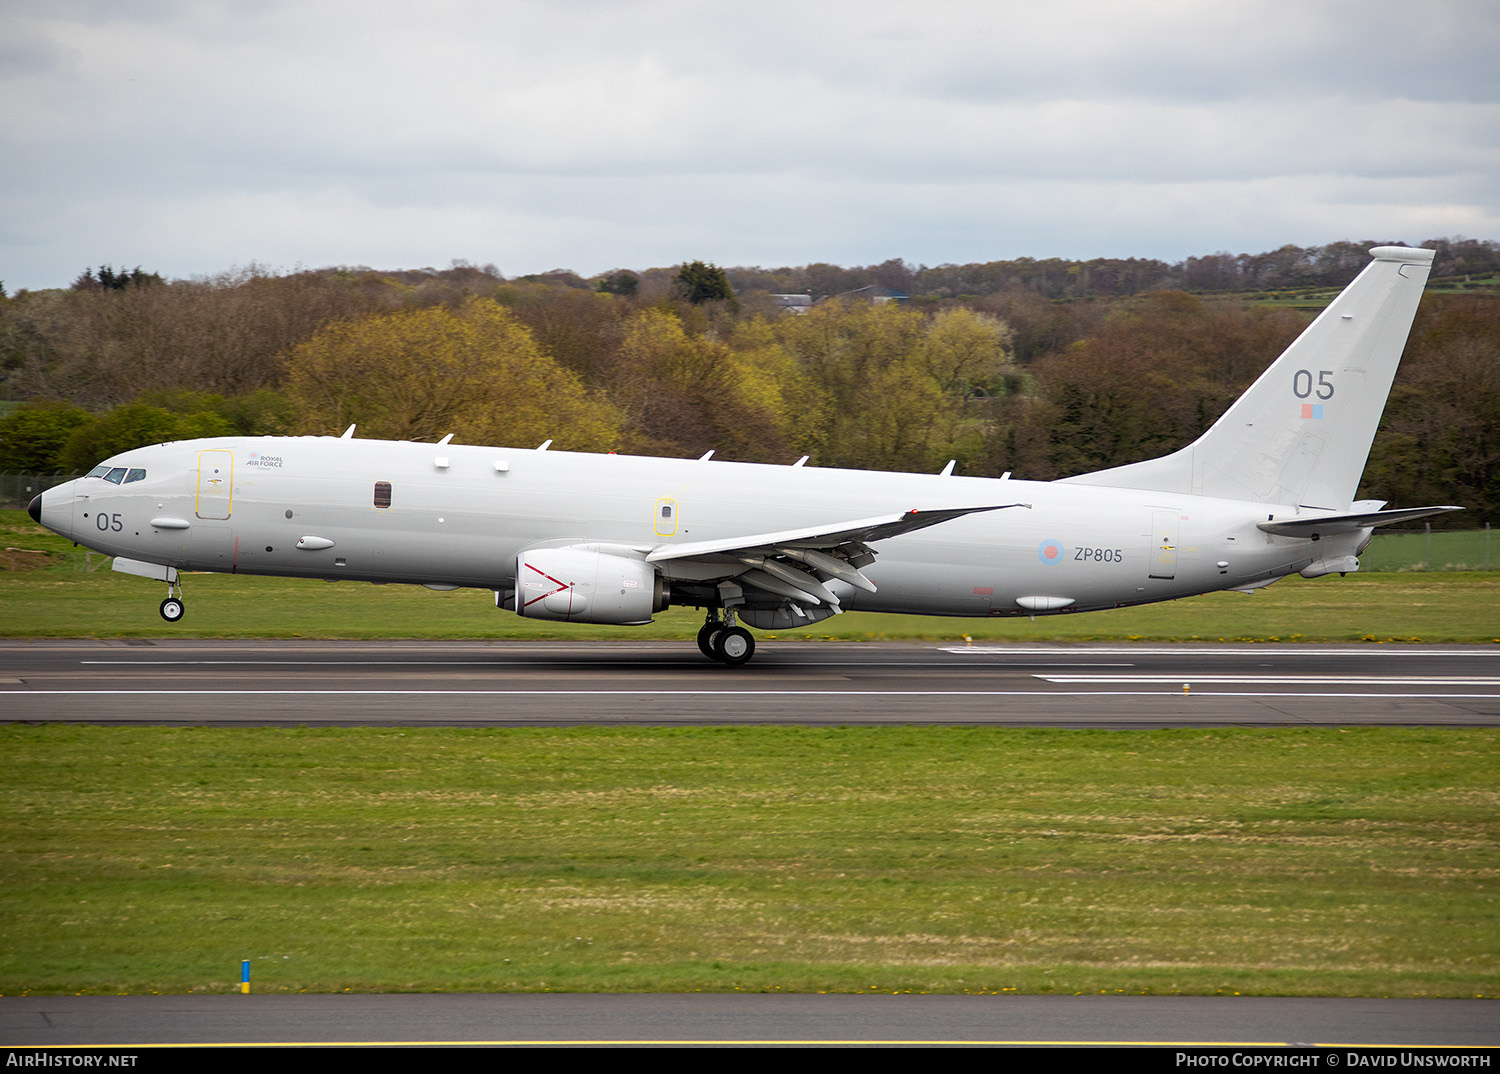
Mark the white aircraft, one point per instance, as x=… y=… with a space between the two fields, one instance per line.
x=1266 y=492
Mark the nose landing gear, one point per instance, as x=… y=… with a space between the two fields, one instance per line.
x=172 y=608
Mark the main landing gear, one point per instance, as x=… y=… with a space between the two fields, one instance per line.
x=725 y=642
x=172 y=608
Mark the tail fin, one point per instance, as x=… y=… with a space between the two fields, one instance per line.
x=1301 y=433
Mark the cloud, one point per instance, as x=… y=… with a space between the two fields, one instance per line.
x=191 y=136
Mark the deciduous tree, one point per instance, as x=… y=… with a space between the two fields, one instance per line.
x=33 y=436
x=475 y=372
x=685 y=394
x=878 y=407
x=131 y=426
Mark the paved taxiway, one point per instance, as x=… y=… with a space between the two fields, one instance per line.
x=580 y=1019
x=263 y=683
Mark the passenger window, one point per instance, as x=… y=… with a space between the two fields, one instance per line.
x=116 y=475
x=135 y=475
x=382 y=494
x=666 y=510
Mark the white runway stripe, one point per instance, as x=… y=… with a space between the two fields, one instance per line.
x=1273 y=680
x=726 y=693
x=1191 y=649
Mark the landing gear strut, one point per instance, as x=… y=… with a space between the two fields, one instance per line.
x=722 y=640
x=172 y=608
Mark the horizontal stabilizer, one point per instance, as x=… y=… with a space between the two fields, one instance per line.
x=1331 y=525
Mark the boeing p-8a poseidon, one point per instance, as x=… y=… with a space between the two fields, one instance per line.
x=1266 y=492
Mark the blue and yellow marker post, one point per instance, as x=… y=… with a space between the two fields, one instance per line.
x=245 y=976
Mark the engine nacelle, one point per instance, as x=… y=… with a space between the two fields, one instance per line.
x=1340 y=564
x=578 y=585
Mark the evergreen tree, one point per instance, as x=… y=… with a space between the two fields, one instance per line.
x=699 y=282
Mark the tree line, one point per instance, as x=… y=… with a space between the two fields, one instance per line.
x=681 y=361
x=1289 y=268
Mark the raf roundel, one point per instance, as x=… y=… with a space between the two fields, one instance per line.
x=1050 y=551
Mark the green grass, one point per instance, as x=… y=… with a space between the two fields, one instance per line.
x=1317 y=861
x=1456 y=550
x=61 y=591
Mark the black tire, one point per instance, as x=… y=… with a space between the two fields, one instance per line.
x=171 y=609
x=706 y=637
x=734 y=646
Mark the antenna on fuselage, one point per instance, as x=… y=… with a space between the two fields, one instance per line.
x=444 y=440
x=348 y=433
x=545 y=444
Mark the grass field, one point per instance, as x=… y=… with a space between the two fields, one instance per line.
x=1312 y=861
x=1459 y=550
x=50 y=589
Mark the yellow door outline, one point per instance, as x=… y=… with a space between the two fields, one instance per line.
x=1166 y=537
x=215 y=483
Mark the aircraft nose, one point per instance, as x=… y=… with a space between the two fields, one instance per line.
x=34 y=509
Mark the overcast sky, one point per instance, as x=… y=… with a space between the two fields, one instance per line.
x=191 y=137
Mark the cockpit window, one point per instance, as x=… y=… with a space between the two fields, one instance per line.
x=120 y=475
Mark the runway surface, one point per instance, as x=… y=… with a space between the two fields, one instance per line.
x=267 y=683
x=736 y=1019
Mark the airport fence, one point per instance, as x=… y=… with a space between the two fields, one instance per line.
x=1424 y=550
x=18 y=487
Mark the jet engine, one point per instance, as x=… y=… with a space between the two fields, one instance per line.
x=580 y=585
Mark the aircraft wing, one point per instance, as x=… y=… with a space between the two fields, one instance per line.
x=1330 y=525
x=861 y=530
x=791 y=567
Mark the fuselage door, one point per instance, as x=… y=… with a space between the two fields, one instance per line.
x=215 y=483
x=1165 y=539
x=666 y=518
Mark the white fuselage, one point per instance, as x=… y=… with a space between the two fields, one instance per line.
x=460 y=516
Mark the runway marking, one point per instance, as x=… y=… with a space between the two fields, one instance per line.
x=724 y=693
x=560 y=1042
x=1189 y=649
x=1269 y=680
x=503 y=661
